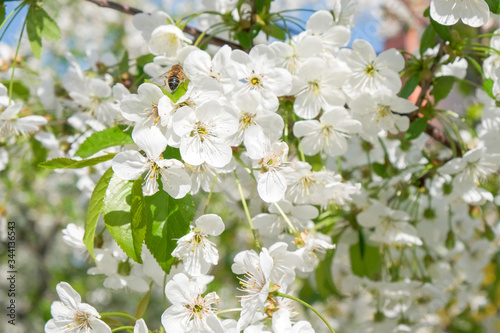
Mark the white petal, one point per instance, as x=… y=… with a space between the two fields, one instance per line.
x=129 y=165
x=176 y=182
x=191 y=150
x=150 y=140
x=271 y=186
x=68 y=295
x=210 y=224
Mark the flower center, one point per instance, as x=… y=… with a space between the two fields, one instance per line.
x=314 y=87
x=370 y=70
x=246 y=119
x=383 y=111
x=82 y=320
x=201 y=130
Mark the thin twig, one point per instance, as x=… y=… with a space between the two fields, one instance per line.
x=432 y=130
x=190 y=30
x=439 y=136
x=116 y=6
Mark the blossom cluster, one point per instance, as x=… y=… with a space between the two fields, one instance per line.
x=308 y=143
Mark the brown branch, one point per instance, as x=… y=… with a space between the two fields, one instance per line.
x=116 y=6
x=425 y=86
x=439 y=136
x=190 y=30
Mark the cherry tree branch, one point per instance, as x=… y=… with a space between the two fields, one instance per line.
x=439 y=136
x=116 y=6
x=190 y=30
x=433 y=131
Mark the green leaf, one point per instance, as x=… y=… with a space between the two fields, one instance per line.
x=262 y=6
x=67 y=163
x=144 y=60
x=96 y=204
x=34 y=33
x=324 y=278
x=49 y=29
x=139 y=216
x=172 y=152
x=123 y=64
x=180 y=91
x=244 y=39
x=254 y=30
x=39 y=24
x=428 y=39
x=40 y=153
x=365 y=259
x=410 y=86
x=121 y=197
x=442 y=87
x=427 y=12
x=380 y=169
x=416 y=128
x=488 y=87
x=168 y=220
x=19 y=90
x=494 y=6
x=110 y=137
x=442 y=30
x=275 y=31
x=2 y=12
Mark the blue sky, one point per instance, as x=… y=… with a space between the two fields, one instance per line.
x=12 y=35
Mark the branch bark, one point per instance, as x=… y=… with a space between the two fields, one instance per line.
x=432 y=130
x=439 y=136
x=190 y=30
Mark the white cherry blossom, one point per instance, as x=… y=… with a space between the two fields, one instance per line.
x=167 y=40
x=391 y=226
x=327 y=135
x=197 y=252
x=72 y=316
x=317 y=86
x=257 y=71
x=270 y=158
x=219 y=70
x=292 y=55
x=204 y=131
x=272 y=225
x=370 y=72
x=11 y=124
x=255 y=121
x=257 y=269
x=130 y=165
x=333 y=36
x=142 y=108
x=382 y=111
x=313 y=247
x=190 y=312
x=472 y=12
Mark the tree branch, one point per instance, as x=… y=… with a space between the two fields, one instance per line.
x=190 y=30
x=425 y=86
x=439 y=136
x=116 y=6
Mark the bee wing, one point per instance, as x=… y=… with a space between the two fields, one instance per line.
x=161 y=80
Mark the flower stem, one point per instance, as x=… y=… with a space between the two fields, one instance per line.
x=210 y=194
x=14 y=63
x=287 y=220
x=247 y=213
x=277 y=293
x=122 y=328
x=118 y=314
x=230 y=310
